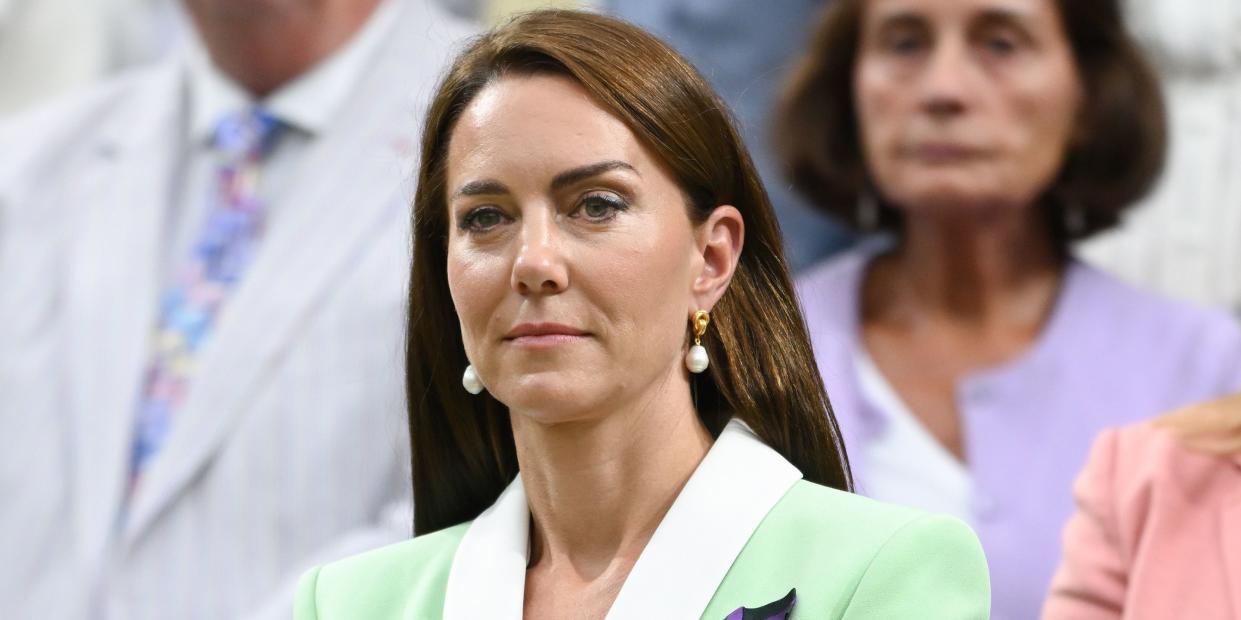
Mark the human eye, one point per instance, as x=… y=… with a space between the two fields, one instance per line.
x=904 y=44
x=903 y=40
x=599 y=207
x=1001 y=41
x=482 y=219
x=1000 y=45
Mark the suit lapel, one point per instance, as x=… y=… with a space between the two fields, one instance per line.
x=112 y=287
x=488 y=574
x=729 y=495
x=348 y=191
x=682 y=566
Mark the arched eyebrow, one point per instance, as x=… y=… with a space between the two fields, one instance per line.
x=1022 y=21
x=581 y=173
x=492 y=187
x=485 y=187
x=912 y=17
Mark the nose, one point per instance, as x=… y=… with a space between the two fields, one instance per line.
x=539 y=268
x=946 y=81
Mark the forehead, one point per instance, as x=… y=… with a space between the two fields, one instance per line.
x=961 y=9
x=528 y=124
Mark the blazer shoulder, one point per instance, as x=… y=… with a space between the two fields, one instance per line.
x=1142 y=457
x=932 y=566
x=827 y=294
x=1193 y=336
x=810 y=505
x=851 y=556
x=388 y=582
x=827 y=281
x=47 y=136
x=842 y=519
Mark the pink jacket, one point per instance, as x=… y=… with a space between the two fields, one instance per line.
x=1157 y=533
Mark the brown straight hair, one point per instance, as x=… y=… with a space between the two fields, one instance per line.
x=762 y=367
x=1122 y=123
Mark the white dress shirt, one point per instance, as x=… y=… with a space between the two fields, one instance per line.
x=305 y=106
x=905 y=464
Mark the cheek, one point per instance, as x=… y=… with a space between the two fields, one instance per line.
x=646 y=288
x=477 y=283
x=1042 y=125
x=879 y=112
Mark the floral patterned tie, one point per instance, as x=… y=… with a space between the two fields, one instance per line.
x=225 y=246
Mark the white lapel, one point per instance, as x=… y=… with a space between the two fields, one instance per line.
x=733 y=489
x=112 y=289
x=488 y=574
x=724 y=501
x=356 y=182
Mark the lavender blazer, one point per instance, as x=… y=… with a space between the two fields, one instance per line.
x=1109 y=355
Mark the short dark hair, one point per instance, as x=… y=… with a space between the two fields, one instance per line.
x=1123 y=126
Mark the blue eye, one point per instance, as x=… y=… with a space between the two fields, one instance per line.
x=600 y=207
x=482 y=219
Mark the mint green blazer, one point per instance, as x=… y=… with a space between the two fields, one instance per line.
x=744 y=531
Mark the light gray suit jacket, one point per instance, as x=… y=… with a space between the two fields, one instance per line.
x=291 y=448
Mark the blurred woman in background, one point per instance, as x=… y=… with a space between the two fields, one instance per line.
x=1157 y=532
x=585 y=211
x=971 y=357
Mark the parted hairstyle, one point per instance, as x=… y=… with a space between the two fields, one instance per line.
x=1121 y=128
x=762 y=367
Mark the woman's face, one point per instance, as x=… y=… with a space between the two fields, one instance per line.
x=572 y=261
x=964 y=103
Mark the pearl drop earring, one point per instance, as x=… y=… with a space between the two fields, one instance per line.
x=471 y=382
x=697 y=360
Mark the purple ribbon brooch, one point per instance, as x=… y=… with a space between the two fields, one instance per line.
x=776 y=610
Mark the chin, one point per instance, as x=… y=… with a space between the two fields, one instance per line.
x=961 y=191
x=549 y=398
x=950 y=198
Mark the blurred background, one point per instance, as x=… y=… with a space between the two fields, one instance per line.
x=1184 y=241
x=1181 y=241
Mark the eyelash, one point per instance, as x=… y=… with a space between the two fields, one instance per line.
x=1001 y=44
x=904 y=44
x=615 y=204
x=469 y=221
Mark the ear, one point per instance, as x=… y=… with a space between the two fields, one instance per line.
x=719 y=241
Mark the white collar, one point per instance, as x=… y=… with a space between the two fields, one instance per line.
x=732 y=490
x=307 y=103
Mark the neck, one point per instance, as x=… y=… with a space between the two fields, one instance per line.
x=971 y=270
x=599 y=488
x=265 y=45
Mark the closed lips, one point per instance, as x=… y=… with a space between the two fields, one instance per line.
x=544 y=331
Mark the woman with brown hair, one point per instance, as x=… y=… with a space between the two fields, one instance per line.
x=614 y=407
x=971 y=357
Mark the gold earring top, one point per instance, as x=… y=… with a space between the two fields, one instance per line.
x=702 y=318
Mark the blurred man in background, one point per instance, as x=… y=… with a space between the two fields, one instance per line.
x=202 y=280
